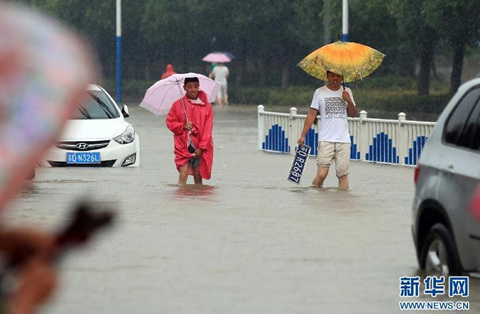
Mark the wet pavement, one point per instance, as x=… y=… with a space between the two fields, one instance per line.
x=248 y=241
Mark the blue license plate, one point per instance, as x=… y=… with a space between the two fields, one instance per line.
x=83 y=158
x=298 y=163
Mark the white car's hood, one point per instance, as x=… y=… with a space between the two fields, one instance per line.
x=98 y=129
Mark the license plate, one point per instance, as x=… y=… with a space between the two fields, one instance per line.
x=298 y=163
x=83 y=158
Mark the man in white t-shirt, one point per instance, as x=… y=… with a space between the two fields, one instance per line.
x=220 y=74
x=334 y=103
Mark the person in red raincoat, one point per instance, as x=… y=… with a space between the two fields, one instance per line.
x=168 y=71
x=191 y=121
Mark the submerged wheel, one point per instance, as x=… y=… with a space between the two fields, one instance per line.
x=439 y=255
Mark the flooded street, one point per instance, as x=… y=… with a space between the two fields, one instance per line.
x=248 y=241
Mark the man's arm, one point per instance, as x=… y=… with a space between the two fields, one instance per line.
x=351 y=108
x=312 y=114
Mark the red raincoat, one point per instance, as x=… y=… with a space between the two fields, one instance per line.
x=202 y=117
x=168 y=71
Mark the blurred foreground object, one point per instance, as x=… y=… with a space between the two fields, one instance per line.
x=29 y=275
x=45 y=70
x=475 y=204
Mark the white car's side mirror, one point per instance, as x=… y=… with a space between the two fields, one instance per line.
x=125 y=112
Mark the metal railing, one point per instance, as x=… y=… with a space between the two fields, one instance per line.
x=376 y=140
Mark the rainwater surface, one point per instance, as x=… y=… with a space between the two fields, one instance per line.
x=248 y=241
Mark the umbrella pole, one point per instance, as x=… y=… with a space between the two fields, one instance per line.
x=189 y=140
x=184 y=109
x=183 y=102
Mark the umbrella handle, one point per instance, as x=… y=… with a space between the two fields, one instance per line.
x=183 y=103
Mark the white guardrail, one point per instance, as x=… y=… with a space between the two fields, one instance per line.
x=396 y=142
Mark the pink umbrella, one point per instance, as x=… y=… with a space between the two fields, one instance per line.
x=160 y=97
x=217 y=57
x=45 y=70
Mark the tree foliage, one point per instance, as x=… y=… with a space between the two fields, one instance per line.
x=459 y=24
x=269 y=37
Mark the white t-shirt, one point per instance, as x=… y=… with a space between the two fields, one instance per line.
x=333 y=114
x=220 y=74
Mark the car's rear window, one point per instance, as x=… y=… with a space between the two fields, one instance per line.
x=96 y=106
x=462 y=127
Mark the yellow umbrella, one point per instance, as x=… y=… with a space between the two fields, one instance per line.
x=354 y=61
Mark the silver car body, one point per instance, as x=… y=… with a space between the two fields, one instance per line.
x=447 y=177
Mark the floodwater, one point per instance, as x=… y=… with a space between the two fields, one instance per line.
x=248 y=241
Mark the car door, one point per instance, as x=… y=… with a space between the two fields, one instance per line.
x=460 y=175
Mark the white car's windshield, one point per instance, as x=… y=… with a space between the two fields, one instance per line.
x=96 y=106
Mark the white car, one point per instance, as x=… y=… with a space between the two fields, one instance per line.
x=97 y=136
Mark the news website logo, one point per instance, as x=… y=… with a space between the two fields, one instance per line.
x=457 y=286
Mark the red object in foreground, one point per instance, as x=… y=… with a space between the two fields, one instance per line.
x=44 y=71
x=475 y=204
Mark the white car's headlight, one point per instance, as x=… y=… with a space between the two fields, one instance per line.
x=126 y=137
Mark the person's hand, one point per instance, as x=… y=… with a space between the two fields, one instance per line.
x=301 y=141
x=198 y=153
x=37 y=281
x=21 y=244
x=346 y=97
x=31 y=253
x=188 y=125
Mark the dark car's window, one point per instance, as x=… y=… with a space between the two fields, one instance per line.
x=96 y=106
x=456 y=121
x=470 y=136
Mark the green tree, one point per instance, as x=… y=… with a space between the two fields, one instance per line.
x=95 y=20
x=419 y=36
x=373 y=24
x=175 y=32
x=459 y=24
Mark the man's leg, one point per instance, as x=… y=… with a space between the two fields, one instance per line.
x=342 y=164
x=326 y=151
x=343 y=182
x=322 y=173
x=196 y=170
x=196 y=176
x=226 y=96
x=183 y=174
x=219 y=102
x=219 y=99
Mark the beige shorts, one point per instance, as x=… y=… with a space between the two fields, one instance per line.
x=222 y=93
x=340 y=152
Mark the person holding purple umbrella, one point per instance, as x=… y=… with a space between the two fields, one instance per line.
x=191 y=121
x=220 y=74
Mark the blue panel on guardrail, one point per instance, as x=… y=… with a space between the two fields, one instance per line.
x=382 y=150
x=311 y=139
x=354 y=153
x=415 y=151
x=275 y=140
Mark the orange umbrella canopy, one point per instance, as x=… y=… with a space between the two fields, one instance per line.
x=354 y=61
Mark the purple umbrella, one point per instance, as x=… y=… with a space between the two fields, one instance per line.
x=217 y=57
x=160 y=97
